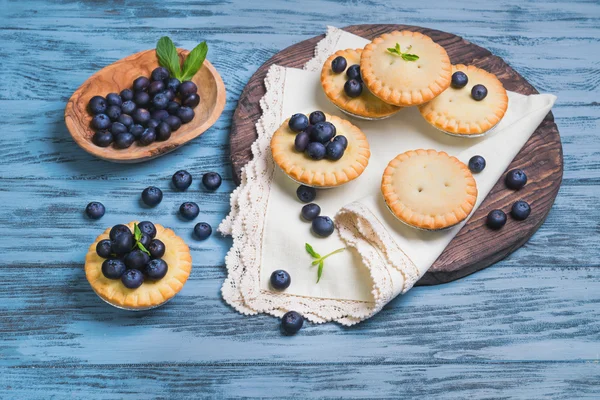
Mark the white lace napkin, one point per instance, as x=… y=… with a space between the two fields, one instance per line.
x=384 y=258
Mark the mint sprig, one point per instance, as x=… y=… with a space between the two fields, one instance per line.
x=320 y=261
x=137 y=234
x=405 y=56
x=166 y=52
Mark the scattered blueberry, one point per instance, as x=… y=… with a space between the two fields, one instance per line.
x=310 y=211
x=191 y=101
x=477 y=164
x=126 y=95
x=132 y=279
x=185 y=114
x=459 y=80
x=342 y=140
x=156 y=248
x=478 y=92
x=152 y=196
x=148 y=136
x=102 y=138
x=124 y=140
x=126 y=120
x=95 y=210
x=322 y=132
x=160 y=102
x=353 y=88
x=189 y=210
x=280 y=280
x=298 y=122
x=173 y=84
x=174 y=122
x=316 y=117
x=515 y=179
x=136 y=259
x=211 y=180
x=141 y=99
x=113 y=99
x=97 y=105
x=291 y=322
x=113 y=268
x=334 y=150
x=496 y=219
x=163 y=132
x=117 y=128
x=148 y=228
x=202 y=230
x=118 y=230
x=186 y=88
x=141 y=84
x=520 y=210
x=136 y=130
x=316 y=150
x=101 y=121
x=160 y=74
x=113 y=112
x=122 y=244
x=156 y=269
x=181 y=180
x=103 y=248
x=301 y=141
x=306 y=194
x=141 y=116
x=338 y=65
x=128 y=107
x=156 y=87
x=353 y=72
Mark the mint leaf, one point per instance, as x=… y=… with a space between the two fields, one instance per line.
x=137 y=233
x=142 y=248
x=410 y=57
x=405 y=56
x=398 y=48
x=320 y=261
x=166 y=52
x=194 y=61
x=320 y=271
x=310 y=251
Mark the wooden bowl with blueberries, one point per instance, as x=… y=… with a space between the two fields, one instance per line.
x=147 y=104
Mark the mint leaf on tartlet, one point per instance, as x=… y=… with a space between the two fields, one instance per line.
x=405 y=56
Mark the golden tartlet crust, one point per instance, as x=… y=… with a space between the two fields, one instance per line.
x=428 y=189
x=151 y=293
x=322 y=173
x=366 y=105
x=405 y=83
x=455 y=111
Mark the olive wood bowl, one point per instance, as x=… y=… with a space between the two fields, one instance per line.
x=119 y=76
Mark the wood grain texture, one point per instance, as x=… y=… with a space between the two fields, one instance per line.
x=475 y=247
x=529 y=327
x=120 y=75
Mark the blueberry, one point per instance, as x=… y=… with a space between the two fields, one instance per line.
x=163 y=132
x=102 y=138
x=322 y=132
x=477 y=164
x=310 y=211
x=128 y=107
x=334 y=150
x=496 y=219
x=173 y=107
x=353 y=88
x=126 y=95
x=95 y=210
x=132 y=279
x=160 y=74
x=316 y=117
x=113 y=99
x=202 y=230
x=140 y=84
x=136 y=130
x=353 y=72
x=478 y=92
x=124 y=140
x=118 y=128
x=145 y=240
x=174 y=122
x=185 y=114
x=142 y=99
x=160 y=102
x=339 y=64
x=148 y=228
x=191 y=101
x=291 y=322
x=136 y=259
x=459 y=80
x=169 y=94
x=316 y=150
x=159 y=115
x=156 y=87
x=189 y=210
x=298 y=122
x=153 y=123
x=141 y=116
x=173 y=84
x=306 y=194
x=156 y=269
x=322 y=226
x=341 y=139
x=156 y=248
x=118 y=230
x=113 y=268
x=152 y=196
x=113 y=112
x=97 y=105
x=101 y=121
x=181 y=180
x=515 y=179
x=126 y=120
x=301 y=142
x=103 y=248
x=520 y=210
x=122 y=244
x=211 y=180
x=186 y=88
x=280 y=280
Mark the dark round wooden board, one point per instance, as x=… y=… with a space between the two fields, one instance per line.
x=475 y=247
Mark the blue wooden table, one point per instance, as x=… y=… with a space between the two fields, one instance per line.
x=528 y=327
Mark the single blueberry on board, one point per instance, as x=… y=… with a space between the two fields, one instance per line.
x=202 y=230
x=520 y=210
x=95 y=210
x=496 y=219
x=515 y=179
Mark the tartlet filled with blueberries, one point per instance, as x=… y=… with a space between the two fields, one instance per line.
x=320 y=150
x=138 y=266
x=342 y=83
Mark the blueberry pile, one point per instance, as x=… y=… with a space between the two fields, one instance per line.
x=515 y=179
x=354 y=84
x=133 y=256
x=460 y=80
x=321 y=225
x=150 y=111
x=317 y=137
